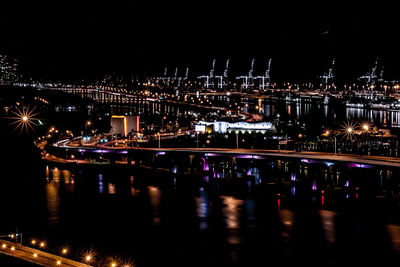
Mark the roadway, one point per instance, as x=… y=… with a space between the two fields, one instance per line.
x=42 y=258
x=255 y=153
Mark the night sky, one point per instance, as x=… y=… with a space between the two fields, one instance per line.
x=86 y=39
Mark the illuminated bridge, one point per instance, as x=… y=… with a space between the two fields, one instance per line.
x=182 y=158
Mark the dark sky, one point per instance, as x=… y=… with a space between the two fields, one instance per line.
x=84 y=39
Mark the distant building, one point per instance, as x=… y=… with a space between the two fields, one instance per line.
x=121 y=124
x=224 y=127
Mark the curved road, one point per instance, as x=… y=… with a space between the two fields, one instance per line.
x=250 y=153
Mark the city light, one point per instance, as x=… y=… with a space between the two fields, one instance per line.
x=24 y=119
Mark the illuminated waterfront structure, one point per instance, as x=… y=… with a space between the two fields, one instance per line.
x=224 y=127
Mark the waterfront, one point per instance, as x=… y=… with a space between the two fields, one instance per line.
x=279 y=216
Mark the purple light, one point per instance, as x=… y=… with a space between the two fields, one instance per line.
x=314 y=185
x=123 y=152
x=347 y=183
x=161 y=153
x=305 y=160
x=211 y=155
x=354 y=165
x=293 y=176
x=249 y=172
x=244 y=156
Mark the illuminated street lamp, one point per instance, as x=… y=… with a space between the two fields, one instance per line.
x=365 y=127
x=88 y=258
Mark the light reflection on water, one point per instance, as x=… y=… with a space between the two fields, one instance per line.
x=232 y=211
x=239 y=213
x=155 y=198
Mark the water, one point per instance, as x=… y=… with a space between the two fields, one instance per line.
x=283 y=213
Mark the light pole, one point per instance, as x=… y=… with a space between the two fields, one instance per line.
x=159 y=140
x=237 y=141
x=335 y=144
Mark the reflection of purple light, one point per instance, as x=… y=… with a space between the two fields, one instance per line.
x=211 y=155
x=305 y=160
x=161 y=153
x=314 y=185
x=214 y=174
x=347 y=196
x=82 y=150
x=293 y=190
x=206 y=179
x=249 y=172
x=206 y=167
x=293 y=176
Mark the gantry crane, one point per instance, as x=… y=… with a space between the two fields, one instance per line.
x=209 y=79
x=327 y=77
x=266 y=79
x=370 y=77
x=247 y=79
x=223 y=80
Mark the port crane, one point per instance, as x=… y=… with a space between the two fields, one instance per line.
x=223 y=80
x=328 y=76
x=266 y=79
x=209 y=79
x=370 y=77
x=164 y=78
x=247 y=79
